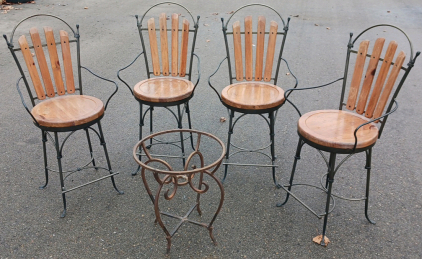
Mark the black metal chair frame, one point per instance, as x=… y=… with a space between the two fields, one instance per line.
x=330 y=162
x=151 y=105
x=272 y=113
x=46 y=131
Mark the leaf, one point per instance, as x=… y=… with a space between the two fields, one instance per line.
x=230 y=12
x=214 y=13
x=86 y=7
x=205 y=24
x=318 y=240
x=328 y=28
x=287 y=74
x=316 y=24
x=208 y=40
x=222 y=119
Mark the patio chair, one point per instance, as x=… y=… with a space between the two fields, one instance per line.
x=168 y=83
x=58 y=106
x=347 y=132
x=256 y=90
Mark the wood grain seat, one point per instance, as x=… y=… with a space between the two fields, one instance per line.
x=253 y=95
x=163 y=89
x=68 y=111
x=335 y=128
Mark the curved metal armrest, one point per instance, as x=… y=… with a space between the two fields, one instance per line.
x=105 y=79
x=199 y=71
x=23 y=101
x=288 y=91
x=209 y=79
x=118 y=72
x=373 y=120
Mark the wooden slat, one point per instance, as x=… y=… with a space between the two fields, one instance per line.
x=174 y=43
x=370 y=74
x=248 y=48
x=67 y=62
x=237 y=40
x=357 y=75
x=389 y=85
x=42 y=62
x=260 y=39
x=164 y=44
x=31 y=67
x=382 y=75
x=184 y=51
x=153 y=46
x=270 y=51
x=54 y=59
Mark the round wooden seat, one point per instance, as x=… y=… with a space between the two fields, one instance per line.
x=335 y=128
x=68 y=111
x=253 y=95
x=163 y=89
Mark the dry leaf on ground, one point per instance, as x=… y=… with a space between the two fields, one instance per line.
x=222 y=119
x=316 y=24
x=230 y=12
x=86 y=7
x=328 y=28
x=318 y=240
x=214 y=13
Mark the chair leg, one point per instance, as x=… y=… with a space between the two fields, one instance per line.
x=297 y=157
x=330 y=177
x=189 y=124
x=59 y=162
x=103 y=143
x=368 y=177
x=44 y=149
x=273 y=157
x=228 y=144
x=90 y=147
x=141 y=124
x=179 y=124
x=150 y=124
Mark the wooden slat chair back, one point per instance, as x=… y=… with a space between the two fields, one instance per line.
x=43 y=84
x=370 y=92
x=245 y=67
x=174 y=57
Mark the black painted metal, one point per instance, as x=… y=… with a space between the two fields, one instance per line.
x=350 y=152
x=185 y=102
x=272 y=112
x=70 y=130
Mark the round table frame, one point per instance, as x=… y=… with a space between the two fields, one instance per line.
x=180 y=178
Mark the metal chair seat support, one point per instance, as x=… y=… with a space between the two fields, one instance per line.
x=64 y=174
x=270 y=123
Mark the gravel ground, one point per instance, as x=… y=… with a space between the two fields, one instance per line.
x=101 y=223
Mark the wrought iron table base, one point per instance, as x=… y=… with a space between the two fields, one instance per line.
x=180 y=178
